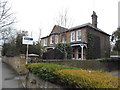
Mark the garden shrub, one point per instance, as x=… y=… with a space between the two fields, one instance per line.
x=73 y=77
x=46 y=71
x=87 y=79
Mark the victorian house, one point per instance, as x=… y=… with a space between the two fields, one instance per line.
x=86 y=40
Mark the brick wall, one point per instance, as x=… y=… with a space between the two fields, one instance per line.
x=104 y=43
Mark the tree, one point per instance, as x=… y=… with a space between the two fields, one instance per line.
x=63 y=19
x=15 y=47
x=7 y=34
x=116 y=39
x=6 y=20
x=21 y=49
x=5 y=15
x=65 y=48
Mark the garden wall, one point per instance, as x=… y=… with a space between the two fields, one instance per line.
x=102 y=65
x=17 y=63
x=34 y=82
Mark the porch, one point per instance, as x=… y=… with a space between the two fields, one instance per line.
x=79 y=49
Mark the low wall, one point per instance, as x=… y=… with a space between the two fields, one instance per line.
x=17 y=63
x=34 y=82
x=101 y=65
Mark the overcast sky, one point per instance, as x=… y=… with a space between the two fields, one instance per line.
x=33 y=15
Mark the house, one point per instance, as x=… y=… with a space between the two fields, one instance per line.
x=87 y=40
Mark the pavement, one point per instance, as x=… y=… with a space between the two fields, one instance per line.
x=0 y=74
x=9 y=78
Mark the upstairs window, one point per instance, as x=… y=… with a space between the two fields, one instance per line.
x=78 y=35
x=51 y=39
x=56 y=39
x=45 y=42
x=72 y=36
x=63 y=39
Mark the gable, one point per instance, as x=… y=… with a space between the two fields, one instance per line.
x=58 y=29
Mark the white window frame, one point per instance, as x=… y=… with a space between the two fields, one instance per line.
x=63 y=39
x=45 y=42
x=56 y=39
x=51 y=39
x=78 y=35
x=72 y=36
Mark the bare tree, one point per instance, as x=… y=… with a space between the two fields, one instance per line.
x=63 y=19
x=6 y=20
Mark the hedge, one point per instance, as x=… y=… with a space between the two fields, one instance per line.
x=46 y=71
x=73 y=77
x=87 y=79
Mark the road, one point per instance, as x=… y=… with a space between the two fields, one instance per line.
x=9 y=78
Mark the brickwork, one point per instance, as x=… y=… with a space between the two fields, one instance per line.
x=104 y=42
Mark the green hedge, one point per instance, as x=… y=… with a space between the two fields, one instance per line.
x=46 y=71
x=73 y=77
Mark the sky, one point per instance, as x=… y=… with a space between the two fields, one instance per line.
x=33 y=15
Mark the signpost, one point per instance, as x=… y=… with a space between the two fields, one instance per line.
x=28 y=41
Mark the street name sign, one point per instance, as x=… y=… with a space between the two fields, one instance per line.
x=27 y=40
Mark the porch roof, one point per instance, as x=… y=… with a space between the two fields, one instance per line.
x=78 y=42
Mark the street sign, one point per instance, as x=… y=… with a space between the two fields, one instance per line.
x=27 y=40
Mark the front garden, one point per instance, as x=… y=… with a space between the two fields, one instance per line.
x=71 y=77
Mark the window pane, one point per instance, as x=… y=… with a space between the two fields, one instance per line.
x=78 y=35
x=72 y=36
x=51 y=39
x=56 y=39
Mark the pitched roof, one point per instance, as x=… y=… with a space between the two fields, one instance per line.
x=59 y=29
x=54 y=31
x=62 y=29
x=89 y=25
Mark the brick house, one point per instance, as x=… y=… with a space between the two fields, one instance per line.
x=86 y=40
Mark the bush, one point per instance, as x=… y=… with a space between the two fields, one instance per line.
x=87 y=79
x=73 y=77
x=46 y=71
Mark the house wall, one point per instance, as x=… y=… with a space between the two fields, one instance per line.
x=103 y=49
x=104 y=42
x=42 y=42
x=68 y=36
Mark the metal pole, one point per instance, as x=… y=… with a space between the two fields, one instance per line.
x=27 y=54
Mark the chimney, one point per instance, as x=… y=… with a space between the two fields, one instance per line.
x=94 y=19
